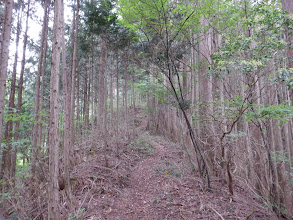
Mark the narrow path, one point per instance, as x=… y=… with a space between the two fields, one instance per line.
x=138 y=198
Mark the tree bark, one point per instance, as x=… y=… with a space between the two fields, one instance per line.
x=102 y=88
x=287 y=5
x=42 y=55
x=117 y=86
x=66 y=105
x=4 y=55
x=85 y=100
x=88 y=99
x=111 y=93
x=125 y=92
x=42 y=89
x=11 y=105
x=73 y=77
x=53 y=187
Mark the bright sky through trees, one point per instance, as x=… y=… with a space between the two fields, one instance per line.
x=34 y=31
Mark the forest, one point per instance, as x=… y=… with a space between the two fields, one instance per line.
x=146 y=109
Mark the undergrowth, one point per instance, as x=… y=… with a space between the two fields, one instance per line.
x=142 y=145
x=167 y=168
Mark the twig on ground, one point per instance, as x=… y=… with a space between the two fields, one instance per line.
x=218 y=214
x=247 y=217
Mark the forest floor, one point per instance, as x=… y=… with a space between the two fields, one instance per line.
x=152 y=179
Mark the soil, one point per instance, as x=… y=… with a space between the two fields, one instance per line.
x=151 y=179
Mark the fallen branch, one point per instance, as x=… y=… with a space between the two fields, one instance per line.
x=247 y=217
x=218 y=214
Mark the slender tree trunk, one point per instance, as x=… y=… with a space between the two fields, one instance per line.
x=53 y=187
x=66 y=104
x=111 y=93
x=20 y=83
x=247 y=139
x=117 y=85
x=78 y=126
x=85 y=101
x=93 y=106
x=88 y=101
x=117 y=102
x=42 y=54
x=95 y=97
x=281 y=170
x=73 y=77
x=125 y=92
x=4 y=55
x=287 y=5
x=185 y=76
x=133 y=105
x=105 y=129
x=206 y=93
x=101 y=92
x=42 y=81
x=11 y=105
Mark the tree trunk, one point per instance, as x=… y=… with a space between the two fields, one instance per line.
x=133 y=105
x=42 y=54
x=85 y=101
x=125 y=92
x=287 y=5
x=73 y=77
x=42 y=89
x=101 y=90
x=111 y=93
x=117 y=103
x=88 y=101
x=66 y=105
x=6 y=31
x=53 y=187
x=78 y=107
x=117 y=87
x=11 y=104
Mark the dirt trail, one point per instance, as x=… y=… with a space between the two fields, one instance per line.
x=137 y=200
x=162 y=186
